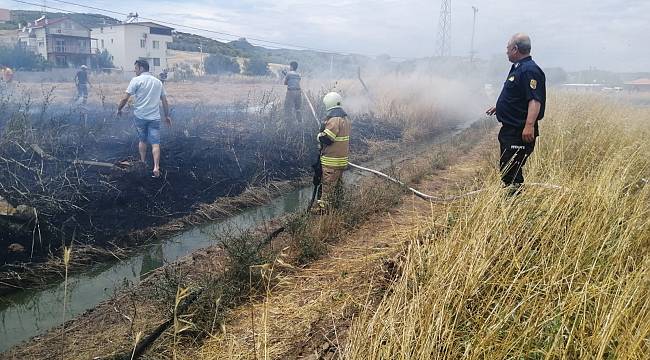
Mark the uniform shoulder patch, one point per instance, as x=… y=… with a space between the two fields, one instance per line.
x=533 y=84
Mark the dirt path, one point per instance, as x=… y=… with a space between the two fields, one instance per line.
x=308 y=313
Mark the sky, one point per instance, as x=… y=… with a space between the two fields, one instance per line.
x=573 y=34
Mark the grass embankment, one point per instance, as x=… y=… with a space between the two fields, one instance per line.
x=548 y=274
x=319 y=275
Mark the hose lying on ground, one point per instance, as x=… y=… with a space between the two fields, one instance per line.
x=424 y=196
x=417 y=193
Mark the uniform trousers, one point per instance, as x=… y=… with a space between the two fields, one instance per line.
x=514 y=154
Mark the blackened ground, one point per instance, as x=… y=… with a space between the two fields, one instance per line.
x=207 y=154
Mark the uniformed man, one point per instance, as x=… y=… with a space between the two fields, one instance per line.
x=334 y=139
x=519 y=108
x=293 y=99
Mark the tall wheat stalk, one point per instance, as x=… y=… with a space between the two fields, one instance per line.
x=67 y=252
x=548 y=274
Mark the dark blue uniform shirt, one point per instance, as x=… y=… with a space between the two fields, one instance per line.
x=526 y=81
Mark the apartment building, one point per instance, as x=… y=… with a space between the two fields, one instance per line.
x=128 y=42
x=62 y=41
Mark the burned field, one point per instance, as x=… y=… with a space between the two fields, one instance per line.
x=70 y=176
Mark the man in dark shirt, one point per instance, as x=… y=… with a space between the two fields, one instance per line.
x=81 y=80
x=519 y=108
x=163 y=76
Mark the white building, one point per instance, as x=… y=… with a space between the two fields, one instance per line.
x=62 y=41
x=129 y=42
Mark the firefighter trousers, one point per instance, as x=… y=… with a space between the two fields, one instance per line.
x=331 y=185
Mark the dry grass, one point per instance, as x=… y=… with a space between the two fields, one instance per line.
x=548 y=274
x=331 y=267
x=213 y=91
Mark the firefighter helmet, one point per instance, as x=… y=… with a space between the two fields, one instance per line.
x=332 y=100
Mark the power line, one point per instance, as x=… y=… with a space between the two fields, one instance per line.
x=188 y=26
x=236 y=36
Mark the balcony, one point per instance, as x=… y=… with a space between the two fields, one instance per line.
x=69 y=45
x=69 y=49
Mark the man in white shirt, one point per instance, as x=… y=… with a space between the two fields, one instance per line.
x=148 y=92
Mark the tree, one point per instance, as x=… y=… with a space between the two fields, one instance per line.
x=183 y=71
x=102 y=60
x=221 y=64
x=256 y=66
x=18 y=57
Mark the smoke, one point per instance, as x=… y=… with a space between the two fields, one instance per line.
x=422 y=92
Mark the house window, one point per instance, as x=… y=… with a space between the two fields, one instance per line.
x=111 y=41
x=101 y=30
x=60 y=46
x=40 y=44
x=61 y=60
x=82 y=44
x=102 y=43
x=143 y=43
x=156 y=44
x=156 y=61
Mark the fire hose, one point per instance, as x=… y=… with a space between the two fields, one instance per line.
x=417 y=193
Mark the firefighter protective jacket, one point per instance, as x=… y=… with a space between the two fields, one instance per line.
x=335 y=139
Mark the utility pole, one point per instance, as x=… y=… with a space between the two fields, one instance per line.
x=471 y=50
x=444 y=32
x=332 y=66
x=202 y=64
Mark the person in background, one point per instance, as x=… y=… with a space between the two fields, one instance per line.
x=293 y=99
x=519 y=109
x=82 y=83
x=148 y=92
x=8 y=74
x=163 y=76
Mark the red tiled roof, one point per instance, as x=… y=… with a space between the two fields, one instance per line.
x=638 y=82
x=5 y=15
x=38 y=24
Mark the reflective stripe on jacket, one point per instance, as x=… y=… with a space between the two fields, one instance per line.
x=336 y=154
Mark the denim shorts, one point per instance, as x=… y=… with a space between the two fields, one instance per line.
x=148 y=131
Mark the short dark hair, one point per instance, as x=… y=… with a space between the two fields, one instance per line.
x=143 y=64
x=293 y=65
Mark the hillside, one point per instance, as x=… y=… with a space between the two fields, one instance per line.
x=88 y=20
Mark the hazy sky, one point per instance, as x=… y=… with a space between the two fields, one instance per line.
x=574 y=34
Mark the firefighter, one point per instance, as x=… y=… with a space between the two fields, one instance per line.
x=293 y=99
x=334 y=139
